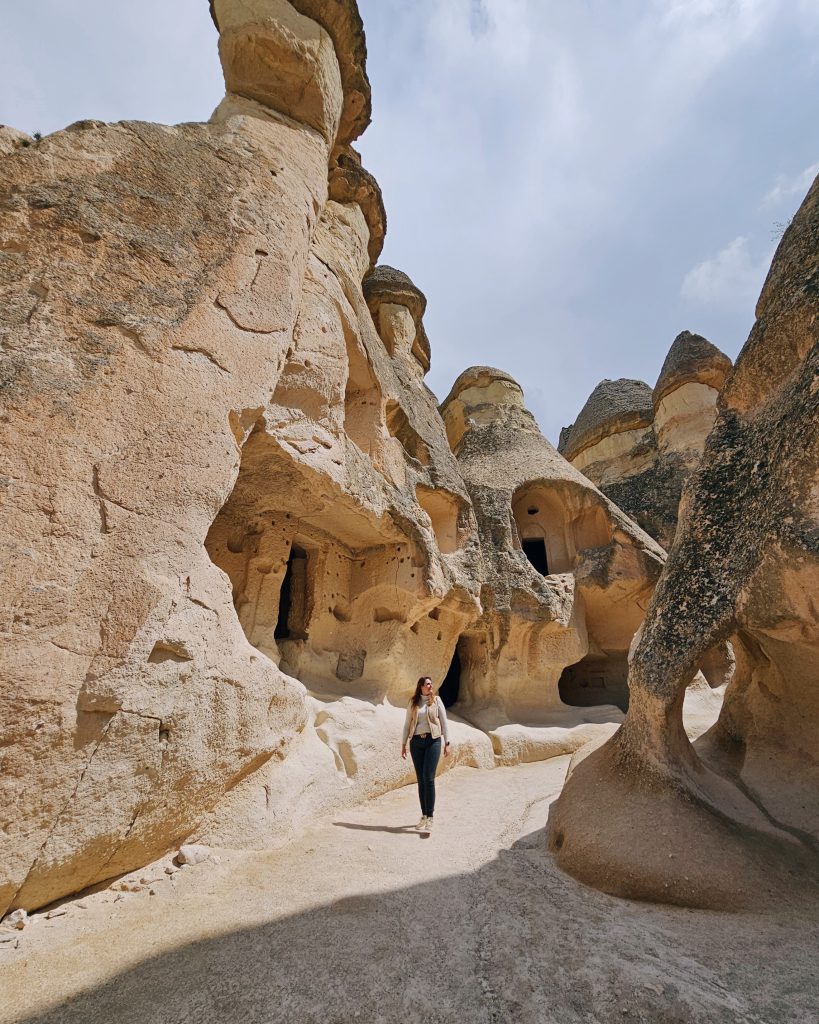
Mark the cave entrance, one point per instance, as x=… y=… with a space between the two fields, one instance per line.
x=535 y=550
x=594 y=681
x=450 y=687
x=292 y=620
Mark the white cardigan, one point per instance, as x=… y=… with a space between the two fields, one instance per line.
x=422 y=720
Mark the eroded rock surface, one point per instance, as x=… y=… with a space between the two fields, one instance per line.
x=212 y=463
x=235 y=527
x=640 y=446
x=566 y=578
x=735 y=817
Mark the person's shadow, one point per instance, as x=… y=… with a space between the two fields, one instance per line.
x=398 y=830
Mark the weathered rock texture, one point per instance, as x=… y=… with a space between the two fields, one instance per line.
x=233 y=530
x=566 y=578
x=212 y=463
x=730 y=819
x=640 y=446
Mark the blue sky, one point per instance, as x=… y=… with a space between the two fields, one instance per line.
x=571 y=182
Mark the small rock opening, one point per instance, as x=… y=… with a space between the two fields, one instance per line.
x=541 y=519
x=292 y=619
x=595 y=680
x=449 y=689
x=535 y=550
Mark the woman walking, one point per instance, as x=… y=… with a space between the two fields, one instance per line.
x=423 y=727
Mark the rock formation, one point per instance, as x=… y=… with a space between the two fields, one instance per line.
x=733 y=818
x=640 y=446
x=212 y=462
x=235 y=526
x=566 y=579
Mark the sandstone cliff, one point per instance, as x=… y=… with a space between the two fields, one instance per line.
x=200 y=417
x=734 y=818
x=234 y=531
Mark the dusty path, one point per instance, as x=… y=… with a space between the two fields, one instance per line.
x=364 y=920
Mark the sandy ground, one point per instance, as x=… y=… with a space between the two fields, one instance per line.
x=363 y=919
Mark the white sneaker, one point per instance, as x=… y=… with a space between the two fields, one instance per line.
x=428 y=826
x=422 y=824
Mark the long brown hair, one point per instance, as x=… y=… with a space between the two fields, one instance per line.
x=416 y=697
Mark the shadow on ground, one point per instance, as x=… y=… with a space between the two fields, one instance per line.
x=514 y=941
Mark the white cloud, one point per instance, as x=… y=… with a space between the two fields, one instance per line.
x=741 y=13
x=730 y=280
x=787 y=186
x=536 y=157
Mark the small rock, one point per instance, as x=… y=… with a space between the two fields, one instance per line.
x=81 y=905
x=193 y=853
x=170 y=870
x=152 y=892
x=57 y=912
x=17 y=919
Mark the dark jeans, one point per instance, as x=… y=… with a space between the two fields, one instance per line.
x=425 y=753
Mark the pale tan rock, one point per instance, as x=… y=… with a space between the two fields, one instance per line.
x=257 y=54
x=348 y=752
x=133 y=345
x=234 y=529
x=11 y=139
x=192 y=853
x=566 y=578
x=283 y=60
x=199 y=413
x=350 y=183
x=738 y=810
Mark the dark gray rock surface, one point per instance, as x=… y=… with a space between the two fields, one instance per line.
x=614 y=405
x=691 y=358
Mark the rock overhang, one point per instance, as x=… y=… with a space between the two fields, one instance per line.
x=341 y=20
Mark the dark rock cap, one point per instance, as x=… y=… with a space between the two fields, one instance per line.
x=563 y=440
x=691 y=358
x=476 y=375
x=386 y=284
x=342 y=22
x=349 y=182
x=613 y=406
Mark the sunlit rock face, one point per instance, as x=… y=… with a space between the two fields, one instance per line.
x=236 y=526
x=225 y=490
x=734 y=819
x=640 y=446
x=566 y=579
